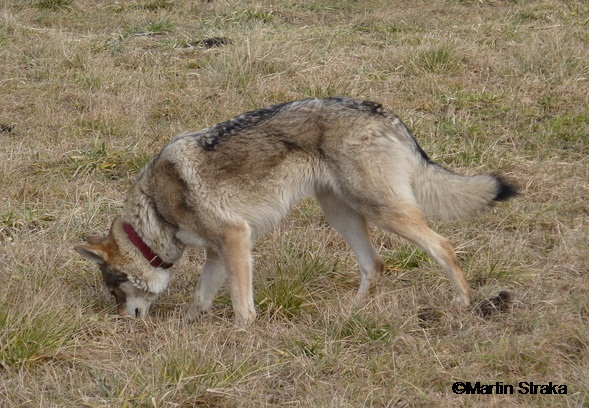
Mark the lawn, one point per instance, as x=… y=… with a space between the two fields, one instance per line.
x=90 y=90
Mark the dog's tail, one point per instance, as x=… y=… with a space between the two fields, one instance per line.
x=443 y=194
x=440 y=193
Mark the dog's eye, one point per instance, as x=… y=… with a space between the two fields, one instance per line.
x=112 y=277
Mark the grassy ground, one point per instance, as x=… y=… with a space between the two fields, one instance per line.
x=91 y=89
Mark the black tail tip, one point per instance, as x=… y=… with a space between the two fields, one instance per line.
x=505 y=190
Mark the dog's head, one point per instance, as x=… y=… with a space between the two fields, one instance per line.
x=121 y=270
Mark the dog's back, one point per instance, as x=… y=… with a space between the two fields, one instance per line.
x=260 y=163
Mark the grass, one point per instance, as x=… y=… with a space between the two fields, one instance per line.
x=94 y=160
x=27 y=340
x=91 y=90
x=289 y=290
x=52 y=4
x=439 y=60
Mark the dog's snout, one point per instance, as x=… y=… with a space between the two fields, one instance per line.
x=135 y=307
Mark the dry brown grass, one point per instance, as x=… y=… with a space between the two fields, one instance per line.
x=90 y=90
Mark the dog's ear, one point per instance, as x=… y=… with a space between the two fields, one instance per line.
x=96 y=253
x=95 y=240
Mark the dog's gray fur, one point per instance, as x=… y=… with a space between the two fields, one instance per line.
x=223 y=187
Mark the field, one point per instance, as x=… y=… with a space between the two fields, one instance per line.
x=90 y=90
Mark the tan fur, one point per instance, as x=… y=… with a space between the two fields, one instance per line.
x=470 y=194
x=224 y=186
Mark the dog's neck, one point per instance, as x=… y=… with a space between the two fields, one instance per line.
x=153 y=258
x=158 y=234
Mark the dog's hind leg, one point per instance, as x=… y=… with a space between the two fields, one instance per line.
x=352 y=226
x=212 y=278
x=407 y=221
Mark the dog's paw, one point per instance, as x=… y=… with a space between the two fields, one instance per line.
x=462 y=301
x=243 y=321
x=194 y=312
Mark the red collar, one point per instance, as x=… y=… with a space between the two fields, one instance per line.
x=154 y=259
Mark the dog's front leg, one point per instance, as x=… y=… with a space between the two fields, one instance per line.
x=237 y=258
x=211 y=279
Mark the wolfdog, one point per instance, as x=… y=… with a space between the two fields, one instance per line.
x=222 y=187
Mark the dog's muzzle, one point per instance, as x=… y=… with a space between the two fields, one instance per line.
x=135 y=307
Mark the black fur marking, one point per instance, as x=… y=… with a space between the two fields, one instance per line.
x=223 y=130
x=505 y=190
x=374 y=107
x=366 y=106
x=209 y=138
x=423 y=153
x=112 y=277
x=404 y=129
x=291 y=145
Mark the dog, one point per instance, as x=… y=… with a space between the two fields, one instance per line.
x=223 y=187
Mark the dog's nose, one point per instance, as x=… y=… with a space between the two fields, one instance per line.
x=136 y=308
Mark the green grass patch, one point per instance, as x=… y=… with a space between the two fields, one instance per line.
x=23 y=220
x=237 y=17
x=313 y=347
x=26 y=339
x=341 y=6
x=380 y=28
x=186 y=364
x=151 y=28
x=404 y=257
x=240 y=68
x=133 y=391
x=321 y=91
x=96 y=159
x=360 y=329
x=438 y=60
x=107 y=386
x=160 y=27
x=568 y=131
x=194 y=373
x=310 y=210
x=88 y=81
x=484 y=103
x=52 y=4
x=496 y=272
x=155 y=5
x=249 y=15
x=290 y=288
x=537 y=13
x=460 y=141
x=7 y=29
